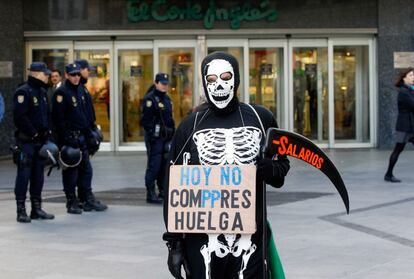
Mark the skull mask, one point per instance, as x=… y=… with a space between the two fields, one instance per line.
x=220 y=82
x=220 y=72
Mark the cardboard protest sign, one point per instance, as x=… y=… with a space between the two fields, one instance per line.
x=212 y=199
x=287 y=143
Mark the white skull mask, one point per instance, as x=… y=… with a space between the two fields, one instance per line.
x=219 y=81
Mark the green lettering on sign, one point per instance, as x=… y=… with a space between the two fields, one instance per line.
x=159 y=10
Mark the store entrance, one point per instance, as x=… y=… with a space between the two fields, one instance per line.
x=320 y=88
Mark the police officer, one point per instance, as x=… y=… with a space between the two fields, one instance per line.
x=32 y=121
x=72 y=121
x=92 y=142
x=158 y=123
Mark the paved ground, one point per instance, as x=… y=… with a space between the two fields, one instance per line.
x=314 y=237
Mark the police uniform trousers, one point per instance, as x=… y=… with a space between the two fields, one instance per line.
x=81 y=175
x=227 y=267
x=156 y=164
x=30 y=168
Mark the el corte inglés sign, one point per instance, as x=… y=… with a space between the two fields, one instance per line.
x=160 y=10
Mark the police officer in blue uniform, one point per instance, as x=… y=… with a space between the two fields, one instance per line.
x=72 y=121
x=93 y=143
x=158 y=123
x=32 y=121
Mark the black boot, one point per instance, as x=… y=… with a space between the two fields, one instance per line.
x=93 y=204
x=38 y=212
x=81 y=197
x=151 y=196
x=72 y=204
x=391 y=178
x=21 y=212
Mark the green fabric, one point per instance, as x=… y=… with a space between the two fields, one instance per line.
x=276 y=268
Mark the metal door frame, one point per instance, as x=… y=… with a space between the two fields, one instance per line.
x=126 y=45
x=106 y=45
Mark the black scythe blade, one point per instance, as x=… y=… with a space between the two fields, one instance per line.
x=283 y=142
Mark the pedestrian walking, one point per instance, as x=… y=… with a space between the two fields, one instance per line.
x=158 y=123
x=405 y=120
x=32 y=121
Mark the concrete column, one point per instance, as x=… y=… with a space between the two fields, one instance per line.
x=11 y=53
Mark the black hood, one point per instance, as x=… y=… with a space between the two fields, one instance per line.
x=204 y=69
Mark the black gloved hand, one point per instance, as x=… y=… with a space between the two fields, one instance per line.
x=267 y=169
x=176 y=259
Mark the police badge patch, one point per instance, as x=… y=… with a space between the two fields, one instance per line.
x=35 y=101
x=149 y=103
x=59 y=98
x=74 y=101
x=161 y=105
x=20 y=99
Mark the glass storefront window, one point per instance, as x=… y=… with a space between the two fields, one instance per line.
x=136 y=75
x=265 y=76
x=98 y=86
x=179 y=64
x=54 y=58
x=238 y=53
x=351 y=93
x=310 y=92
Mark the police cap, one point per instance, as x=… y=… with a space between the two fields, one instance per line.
x=39 y=67
x=83 y=63
x=72 y=68
x=162 y=77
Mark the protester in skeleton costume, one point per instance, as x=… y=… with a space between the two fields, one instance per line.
x=225 y=131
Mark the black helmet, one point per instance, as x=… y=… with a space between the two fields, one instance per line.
x=49 y=153
x=94 y=141
x=70 y=157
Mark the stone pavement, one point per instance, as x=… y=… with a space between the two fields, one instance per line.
x=314 y=236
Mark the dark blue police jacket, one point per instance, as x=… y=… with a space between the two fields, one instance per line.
x=31 y=110
x=90 y=110
x=69 y=111
x=157 y=109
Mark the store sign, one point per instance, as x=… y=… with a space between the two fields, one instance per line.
x=266 y=69
x=6 y=69
x=213 y=199
x=159 y=10
x=136 y=71
x=403 y=60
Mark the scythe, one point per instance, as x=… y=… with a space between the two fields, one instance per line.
x=282 y=142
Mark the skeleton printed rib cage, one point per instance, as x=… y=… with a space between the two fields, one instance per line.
x=221 y=146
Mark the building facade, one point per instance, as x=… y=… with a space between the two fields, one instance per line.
x=324 y=68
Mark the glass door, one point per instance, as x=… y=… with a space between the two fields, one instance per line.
x=99 y=84
x=135 y=74
x=351 y=92
x=55 y=54
x=177 y=59
x=267 y=76
x=309 y=89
